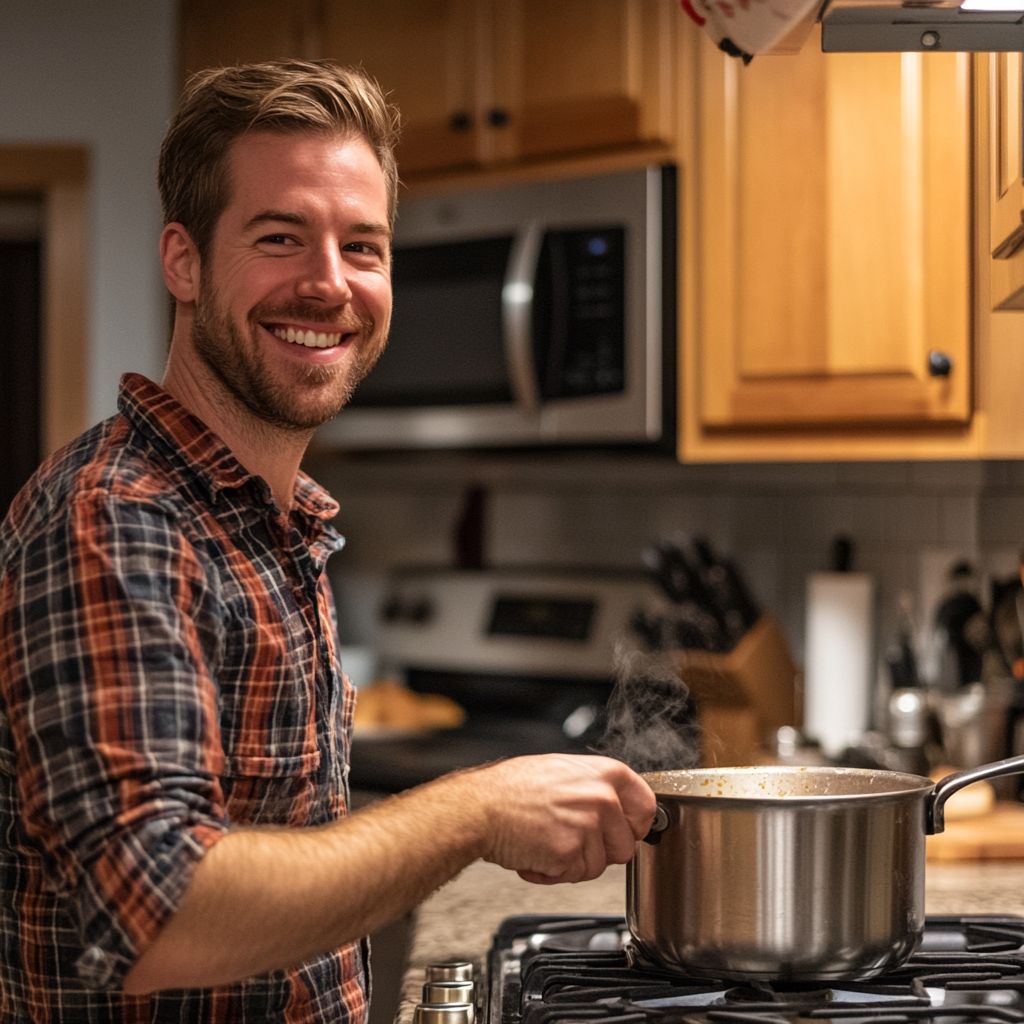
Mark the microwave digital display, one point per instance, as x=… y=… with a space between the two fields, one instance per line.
x=554 y=618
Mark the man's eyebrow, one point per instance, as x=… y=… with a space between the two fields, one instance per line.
x=372 y=229
x=283 y=217
x=277 y=216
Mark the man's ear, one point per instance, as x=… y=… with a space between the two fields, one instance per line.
x=179 y=258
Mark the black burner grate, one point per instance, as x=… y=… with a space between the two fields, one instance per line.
x=549 y=971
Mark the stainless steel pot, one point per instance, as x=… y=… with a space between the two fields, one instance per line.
x=787 y=873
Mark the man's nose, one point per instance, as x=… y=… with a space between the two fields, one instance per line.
x=325 y=277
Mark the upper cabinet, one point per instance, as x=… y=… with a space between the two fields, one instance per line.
x=217 y=33
x=1006 y=180
x=426 y=55
x=833 y=242
x=479 y=82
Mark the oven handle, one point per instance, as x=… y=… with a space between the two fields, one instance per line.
x=517 y=315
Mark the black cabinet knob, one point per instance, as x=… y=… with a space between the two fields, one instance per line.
x=939 y=364
x=497 y=118
x=460 y=121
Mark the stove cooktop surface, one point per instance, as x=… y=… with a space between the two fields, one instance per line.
x=550 y=970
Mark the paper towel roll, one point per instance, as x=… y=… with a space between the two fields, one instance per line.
x=837 y=680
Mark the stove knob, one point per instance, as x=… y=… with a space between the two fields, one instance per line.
x=449 y=992
x=444 y=1013
x=449 y=970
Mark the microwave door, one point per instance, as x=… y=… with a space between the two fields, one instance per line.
x=517 y=295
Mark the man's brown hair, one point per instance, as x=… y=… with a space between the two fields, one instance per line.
x=220 y=104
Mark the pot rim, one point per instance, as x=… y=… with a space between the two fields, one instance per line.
x=905 y=785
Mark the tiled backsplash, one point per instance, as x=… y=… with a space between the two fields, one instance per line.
x=908 y=520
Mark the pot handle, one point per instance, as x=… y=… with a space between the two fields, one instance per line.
x=659 y=825
x=935 y=802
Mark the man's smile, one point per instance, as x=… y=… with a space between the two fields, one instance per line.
x=308 y=338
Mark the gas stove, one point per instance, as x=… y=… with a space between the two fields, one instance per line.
x=551 y=970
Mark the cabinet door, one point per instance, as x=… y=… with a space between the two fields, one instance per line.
x=593 y=74
x=229 y=32
x=834 y=243
x=422 y=52
x=1007 y=179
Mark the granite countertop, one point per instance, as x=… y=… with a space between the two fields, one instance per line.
x=457 y=922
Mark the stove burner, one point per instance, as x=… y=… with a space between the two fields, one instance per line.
x=553 y=971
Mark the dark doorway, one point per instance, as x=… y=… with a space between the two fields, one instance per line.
x=20 y=303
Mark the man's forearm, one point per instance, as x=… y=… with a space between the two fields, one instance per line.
x=262 y=899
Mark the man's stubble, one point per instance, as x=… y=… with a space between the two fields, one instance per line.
x=239 y=363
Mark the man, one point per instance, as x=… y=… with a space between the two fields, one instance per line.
x=175 y=726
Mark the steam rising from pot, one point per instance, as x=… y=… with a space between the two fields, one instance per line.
x=651 y=724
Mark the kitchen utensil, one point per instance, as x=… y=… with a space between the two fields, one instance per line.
x=736 y=604
x=973 y=722
x=810 y=873
x=908 y=717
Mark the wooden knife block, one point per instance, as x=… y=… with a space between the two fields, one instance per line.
x=742 y=696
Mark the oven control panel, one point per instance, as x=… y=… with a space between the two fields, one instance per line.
x=541 y=622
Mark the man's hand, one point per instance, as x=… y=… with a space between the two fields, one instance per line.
x=563 y=818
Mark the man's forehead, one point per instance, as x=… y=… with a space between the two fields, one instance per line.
x=288 y=172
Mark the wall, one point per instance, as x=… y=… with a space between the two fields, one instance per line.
x=101 y=73
x=909 y=520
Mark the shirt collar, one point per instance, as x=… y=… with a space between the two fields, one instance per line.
x=189 y=443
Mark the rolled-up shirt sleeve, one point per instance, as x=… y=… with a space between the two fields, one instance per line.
x=108 y=660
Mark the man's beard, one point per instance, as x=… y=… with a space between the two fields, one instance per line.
x=317 y=393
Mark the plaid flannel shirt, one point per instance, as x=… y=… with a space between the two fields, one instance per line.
x=167 y=669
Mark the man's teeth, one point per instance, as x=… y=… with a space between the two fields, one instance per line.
x=308 y=338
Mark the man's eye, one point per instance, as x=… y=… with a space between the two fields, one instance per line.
x=364 y=247
x=277 y=240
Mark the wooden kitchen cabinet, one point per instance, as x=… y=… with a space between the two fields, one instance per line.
x=478 y=82
x=833 y=248
x=1003 y=135
x=481 y=82
x=214 y=33
x=836 y=229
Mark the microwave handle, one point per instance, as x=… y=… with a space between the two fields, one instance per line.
x=517 y=315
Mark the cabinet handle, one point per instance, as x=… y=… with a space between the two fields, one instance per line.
x=460 y=121
x=939 y=364
x=497 y=118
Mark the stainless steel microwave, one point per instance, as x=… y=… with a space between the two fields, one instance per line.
x=536 y=314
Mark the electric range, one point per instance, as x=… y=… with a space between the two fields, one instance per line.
x=551 y=970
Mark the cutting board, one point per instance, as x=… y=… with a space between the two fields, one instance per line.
x=998 y=835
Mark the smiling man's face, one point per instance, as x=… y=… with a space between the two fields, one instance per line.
x=295 y=299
